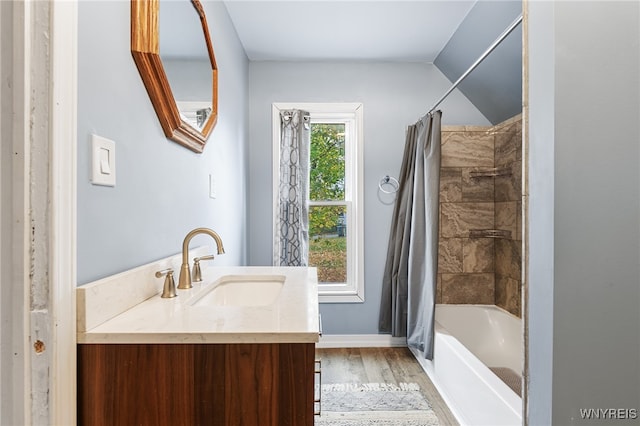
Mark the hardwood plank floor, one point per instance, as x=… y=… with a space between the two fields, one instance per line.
x=381 y=365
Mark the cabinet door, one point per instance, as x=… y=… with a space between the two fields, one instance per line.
x=297 y=380
x=269 y=384
x=135 y=384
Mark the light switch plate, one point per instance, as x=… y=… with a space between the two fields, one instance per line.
x=103 y=165
x=213 y=192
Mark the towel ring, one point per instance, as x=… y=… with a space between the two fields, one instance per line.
x=390 y=181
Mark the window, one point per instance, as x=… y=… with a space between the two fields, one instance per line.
x=335 y=196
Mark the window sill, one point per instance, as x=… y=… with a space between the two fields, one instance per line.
x=340 y=298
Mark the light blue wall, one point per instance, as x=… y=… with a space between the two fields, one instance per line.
x=584 y=300
x=495 y=86
x=162 y=189
x=394 y=96
x=190 y=79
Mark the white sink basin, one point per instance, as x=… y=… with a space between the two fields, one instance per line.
x=241 y=290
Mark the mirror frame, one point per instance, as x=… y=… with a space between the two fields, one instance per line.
x=146 y=54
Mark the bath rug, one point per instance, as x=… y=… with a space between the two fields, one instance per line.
x=378 y=418
x=509 y=377
x=375 y=404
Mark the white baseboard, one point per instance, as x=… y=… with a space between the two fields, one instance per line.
x=360 y=341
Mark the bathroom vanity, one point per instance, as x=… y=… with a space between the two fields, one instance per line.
x=236 y=349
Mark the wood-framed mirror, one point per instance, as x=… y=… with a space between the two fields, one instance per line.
x=166 y=61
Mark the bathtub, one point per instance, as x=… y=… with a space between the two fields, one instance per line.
x=470 y=339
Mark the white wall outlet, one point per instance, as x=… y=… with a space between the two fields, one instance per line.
x=213 y=192
x=103 y=165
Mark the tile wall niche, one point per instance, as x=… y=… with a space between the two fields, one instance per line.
x=471 y=269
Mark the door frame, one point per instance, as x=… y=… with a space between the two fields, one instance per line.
x=63 y=192
x=42 y=208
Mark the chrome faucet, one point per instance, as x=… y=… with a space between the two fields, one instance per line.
x=184 y=281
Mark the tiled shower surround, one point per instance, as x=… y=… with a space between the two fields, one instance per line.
x=481 y=270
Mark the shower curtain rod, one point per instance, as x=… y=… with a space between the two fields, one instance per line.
x=486 y=53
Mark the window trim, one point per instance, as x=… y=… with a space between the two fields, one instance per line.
x=352 y=292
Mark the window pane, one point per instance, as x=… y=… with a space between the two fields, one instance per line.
x=328 y=242
x=326 y=178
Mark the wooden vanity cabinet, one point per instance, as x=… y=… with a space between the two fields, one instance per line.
x=196 y=384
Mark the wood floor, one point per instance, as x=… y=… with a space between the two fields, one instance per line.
x=381 y=365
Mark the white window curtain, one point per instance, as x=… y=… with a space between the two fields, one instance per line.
x=292 y=215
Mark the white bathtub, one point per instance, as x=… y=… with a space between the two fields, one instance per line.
x=470 y=339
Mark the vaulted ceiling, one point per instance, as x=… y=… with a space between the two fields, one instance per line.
x=451 y=34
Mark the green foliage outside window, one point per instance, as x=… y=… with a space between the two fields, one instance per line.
x=326 y=180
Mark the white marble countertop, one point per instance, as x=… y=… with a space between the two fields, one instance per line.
x=292 y=318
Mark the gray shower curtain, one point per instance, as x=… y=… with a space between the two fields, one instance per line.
x=291 y=221
x=409 y=283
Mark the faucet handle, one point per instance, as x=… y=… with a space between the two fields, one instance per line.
x=197 y=272
x=169 y=289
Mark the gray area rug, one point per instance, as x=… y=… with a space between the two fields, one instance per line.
x=510 y=377
x=375 y=404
